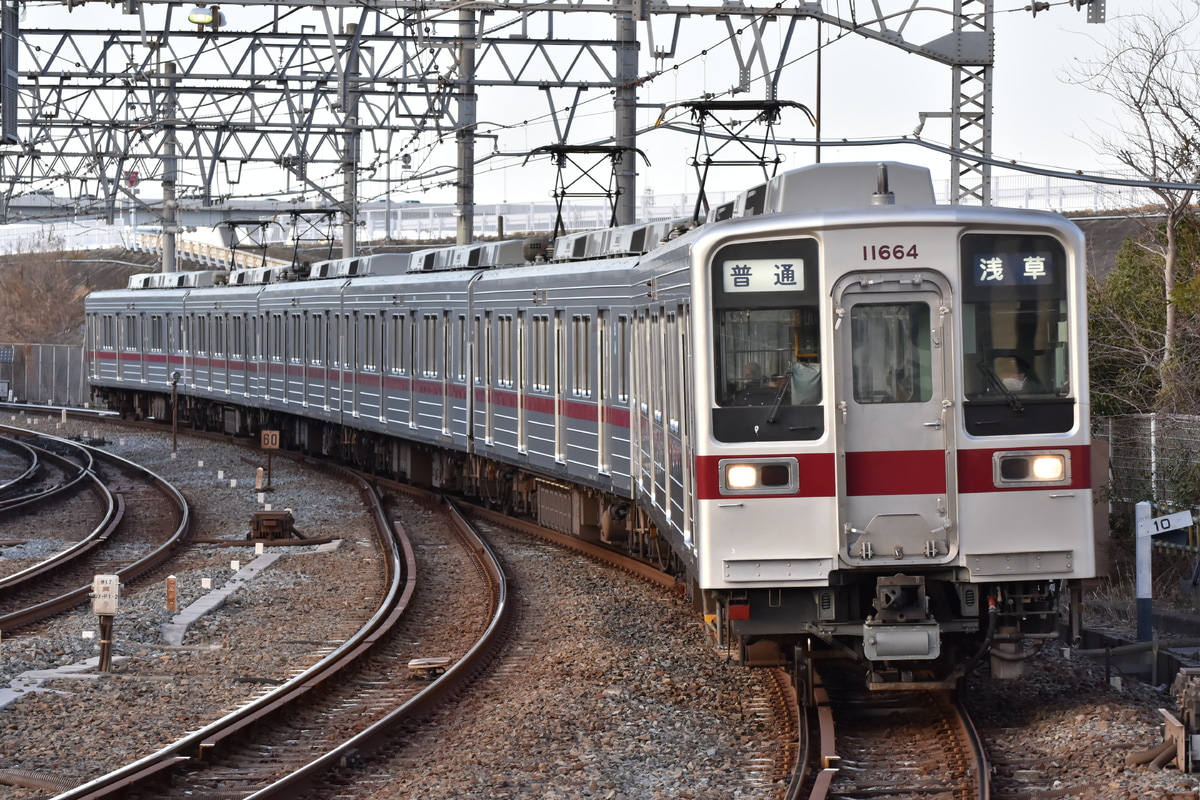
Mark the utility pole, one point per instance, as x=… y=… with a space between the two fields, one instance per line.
x=351 y=144
x=464 y=136
x=170 y=171
x=625 y=108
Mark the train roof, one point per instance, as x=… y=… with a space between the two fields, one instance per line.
x=823 y=187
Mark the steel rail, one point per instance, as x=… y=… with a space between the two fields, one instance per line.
x=130 y=572
x=823 y=759
x=114 y=513
x=380 y=734
x=69 y=467
x=28 y=452
x=206 y=742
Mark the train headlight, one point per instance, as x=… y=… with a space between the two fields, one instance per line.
x=1015 y=468
x=759 y=476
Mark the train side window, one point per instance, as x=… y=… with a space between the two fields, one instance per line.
x=891 y=346
x=108 y=327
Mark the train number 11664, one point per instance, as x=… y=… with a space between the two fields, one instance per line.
x=888 y=252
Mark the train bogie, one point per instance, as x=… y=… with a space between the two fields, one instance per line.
x=845 y=417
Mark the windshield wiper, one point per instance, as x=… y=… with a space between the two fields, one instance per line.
x=1014 y=402
x=784 y=382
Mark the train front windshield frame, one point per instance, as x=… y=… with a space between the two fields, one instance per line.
x=1016 y=334
x=767 y=382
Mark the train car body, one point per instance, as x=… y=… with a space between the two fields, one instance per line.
x=845 y=417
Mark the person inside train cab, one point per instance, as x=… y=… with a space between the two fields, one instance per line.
x=756 y=390
x=1017 y=377
x=805 y=378
x=753 y=374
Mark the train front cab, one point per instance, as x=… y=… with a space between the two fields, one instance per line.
x=897 y=459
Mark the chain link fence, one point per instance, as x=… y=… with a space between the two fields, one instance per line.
x=1153 y=458
x=52 y=374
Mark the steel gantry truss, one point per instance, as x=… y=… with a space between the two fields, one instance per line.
x=322 y=97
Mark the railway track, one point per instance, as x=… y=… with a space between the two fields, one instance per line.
x=143 y=519
x=18 y=463
x=897 y=745
x=334 y=713
x=262 y=757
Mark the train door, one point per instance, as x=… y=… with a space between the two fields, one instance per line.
x=894 y=417
x=560 y=389
x=603 y=391
x=522 y=376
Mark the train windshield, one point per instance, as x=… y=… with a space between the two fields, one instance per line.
x=766 y=341
x=1016 y=334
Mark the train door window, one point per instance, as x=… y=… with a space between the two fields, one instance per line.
x=429 y=365
x=275 y=338
x=541 y=354
x=411 y=358
x=460 y=368
x=581 y=355
x=396 y=356
x=237 y=345
x=201 y=330
x=624 y=351
x=370 y=342
x=671 y=373
x=891 y=352
x=656 y=367
x=131 y=332
x=156 y=333
x=487 y=353
x=481 y=335
x=317 y=356
x=447 y=334
x=219 y=334
x=504 y=351
x=295 y=339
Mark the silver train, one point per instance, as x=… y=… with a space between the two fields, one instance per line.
x=847 y=418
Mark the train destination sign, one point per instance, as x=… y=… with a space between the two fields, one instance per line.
x=1015 y=269
x=763 y=275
